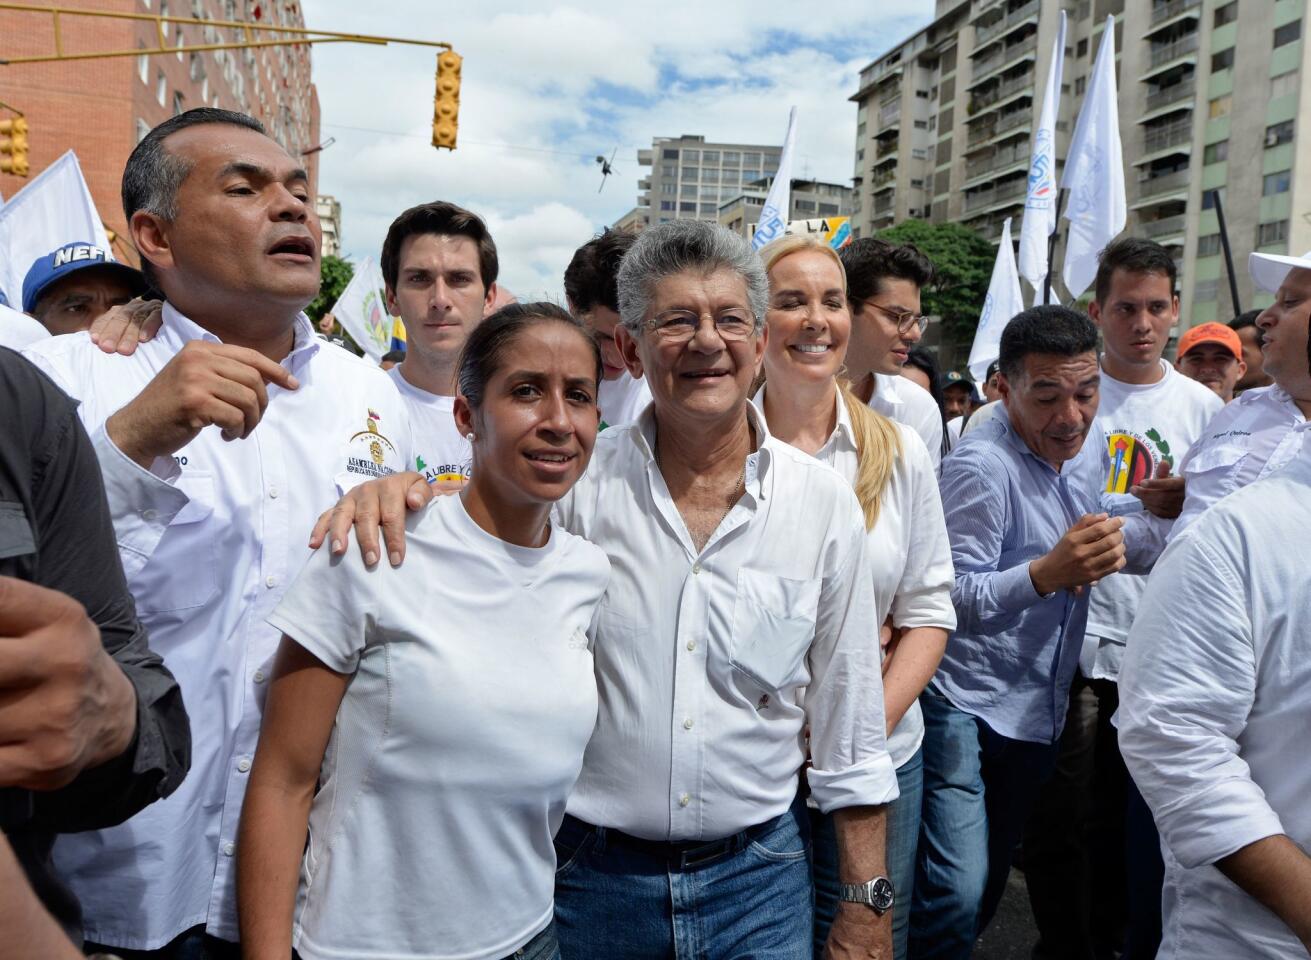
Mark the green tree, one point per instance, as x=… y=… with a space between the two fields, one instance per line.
x=962 y=262
x=334 y=274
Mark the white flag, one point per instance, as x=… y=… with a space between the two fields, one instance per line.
x=53 y=210
x=1003 y=302
x=362 y=310
x=1094 y=173
x=774 y=217
x=1039 y=221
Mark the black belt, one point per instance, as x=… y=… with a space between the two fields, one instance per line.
x=683 y=853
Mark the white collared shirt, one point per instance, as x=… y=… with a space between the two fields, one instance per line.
x=1215 y=705
x=909 y=553
x=905 y=401
x=1259 y=432
x=18 y=330
x=622 y=399
x=710 y=664
x=210 y=538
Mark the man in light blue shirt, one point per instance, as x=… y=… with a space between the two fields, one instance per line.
x=1030 y=533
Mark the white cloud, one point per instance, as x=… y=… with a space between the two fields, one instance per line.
x=546 y=89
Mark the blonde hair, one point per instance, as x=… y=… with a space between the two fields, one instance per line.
x=878 y=444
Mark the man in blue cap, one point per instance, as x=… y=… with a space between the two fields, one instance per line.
x=68 y=288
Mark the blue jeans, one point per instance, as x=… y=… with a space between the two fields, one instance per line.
x=903 y=838
x=193 y=944
x=978 y=790
x=613 y=899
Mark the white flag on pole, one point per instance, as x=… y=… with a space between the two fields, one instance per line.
x=774 y=217
x=362 y=310
x=53 y=210
x=1094 y=173
x=1039 y=221
x=1003 y=302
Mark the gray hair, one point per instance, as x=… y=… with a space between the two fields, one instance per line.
x=679 y=245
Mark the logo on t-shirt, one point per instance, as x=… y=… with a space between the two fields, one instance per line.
x=1134 y=458
x=368 y=451
x=443 y=472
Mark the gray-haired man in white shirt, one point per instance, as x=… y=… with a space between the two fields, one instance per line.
x=740 y=613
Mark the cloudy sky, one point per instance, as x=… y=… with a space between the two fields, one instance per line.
x=547 y=87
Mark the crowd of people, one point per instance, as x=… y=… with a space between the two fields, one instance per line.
x=700 y=617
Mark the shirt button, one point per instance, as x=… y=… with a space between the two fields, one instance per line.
x=243 y=764
x=696 y=568
x=684 y=800
x=687 y=724
x=273 y=492
x=691 y=645
x=259 y=676
x=229 y=848
x=270 y=581
x=149 y=515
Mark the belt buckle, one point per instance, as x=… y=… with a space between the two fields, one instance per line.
x=707 y=853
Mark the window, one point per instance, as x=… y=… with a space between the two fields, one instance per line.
x=749 y=176
x=860 y=154
x=1278 y=133
x=710 y=175
x=686 y=207
x=732 y=157
x=1272 y=233
x=1226 y=14
x=666 y=205
x=1082 y=49
x=143 y=66
x=708 y=209
x=1080 y=83
x=917 y=184
x=691 y=173
x=709 y=193
x=1223 y=60
x=1209 y=245
x=668 y=188
x=1208 y=198
x=161 y=89
x=163 y=12
x=1284 y=84
x=143 y=128
x=687 y=190
x=1288 y=33
x=1221 y=106
x=177 y=104
x=921 y=125
x=922 y=94
x=692 y=155
x=196 y=67
x=204 y=90
x=828 y=209
x=1216 y=152
x=750 y=159
x=1273 y=183
x=668 y=170
x=804 y=206
x=668 y=154
x=709 y=156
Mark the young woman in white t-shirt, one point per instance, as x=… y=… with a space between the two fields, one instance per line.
x=807 y=405
x=441 y=707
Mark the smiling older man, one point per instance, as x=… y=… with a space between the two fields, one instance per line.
x=740 y=614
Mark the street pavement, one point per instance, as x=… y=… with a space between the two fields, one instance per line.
x=1011 y=935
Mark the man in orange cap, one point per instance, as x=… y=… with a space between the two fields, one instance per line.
x=1212 y=355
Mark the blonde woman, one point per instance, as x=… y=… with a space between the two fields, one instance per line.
x=807 y=404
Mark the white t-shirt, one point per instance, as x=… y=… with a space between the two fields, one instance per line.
x=623 y=399
x=441 y=452
x=907 y=402
x=18 y=330
x=1145 y=426
x=457 y=742
x=980 y=416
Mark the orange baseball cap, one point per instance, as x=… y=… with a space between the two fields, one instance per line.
x=1211 y=333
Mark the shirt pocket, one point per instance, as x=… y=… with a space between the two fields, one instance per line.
x=182 y=572
x=773 y=627
x=16 y=538
x=1222 y=456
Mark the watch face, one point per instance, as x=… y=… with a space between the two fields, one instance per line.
x=882 y=895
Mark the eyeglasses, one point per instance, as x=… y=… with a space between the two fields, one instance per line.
x=682 y=327
x=905 y=321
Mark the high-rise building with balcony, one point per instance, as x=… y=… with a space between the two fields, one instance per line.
x=945 y=124
x=690 y=178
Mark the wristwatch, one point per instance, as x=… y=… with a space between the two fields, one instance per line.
x=876 y=894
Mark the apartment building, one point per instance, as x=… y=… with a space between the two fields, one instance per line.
x=946 y=119
x=329 y=210
x=102 y=108
x=807 y=200
x=690 y=178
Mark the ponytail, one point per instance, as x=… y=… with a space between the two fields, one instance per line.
x=878 y=448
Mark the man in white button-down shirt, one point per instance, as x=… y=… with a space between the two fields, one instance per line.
x=219 y=440
x=740 y=614
x=1265 y=428
x=1215 y=705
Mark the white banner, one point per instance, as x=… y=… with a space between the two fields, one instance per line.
x=1003 y=302
x=53 y=210
x=1094 y=173
x=362 y=310
x=1039 y=221
x=774 y=215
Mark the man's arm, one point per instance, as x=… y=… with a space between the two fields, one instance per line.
x=28 y=930
x=857 y=930
x=1276 y=872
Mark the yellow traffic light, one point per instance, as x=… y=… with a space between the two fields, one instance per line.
x=446 y=107
x=13 y=146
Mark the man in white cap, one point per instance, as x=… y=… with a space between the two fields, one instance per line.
x=1263 y=429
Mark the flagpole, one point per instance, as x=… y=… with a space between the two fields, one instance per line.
x=1051 y=248
x=1229 y=254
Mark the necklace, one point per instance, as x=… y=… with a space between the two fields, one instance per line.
x=733 y=495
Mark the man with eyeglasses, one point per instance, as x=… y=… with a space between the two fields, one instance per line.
x=884 y=281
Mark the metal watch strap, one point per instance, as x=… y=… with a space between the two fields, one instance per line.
x=877 y=894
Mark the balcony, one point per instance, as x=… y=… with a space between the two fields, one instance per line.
x=1009 y=54
x=985 y=35
x=887 y=147
x=1185 y=90
x=1163 y=13
x=1164 y=184
x=1004 y=157
x=884 y=205
x=1165 y=54
x=1024 y=82
x=1180 y=132
x=982 y=199
x=1165 y=227
x=883 y=180
x=876 y=72
x=890 y=114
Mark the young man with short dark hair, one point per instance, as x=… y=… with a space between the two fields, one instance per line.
x=439 y=265
x=1249 y=334
x=589 y=286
